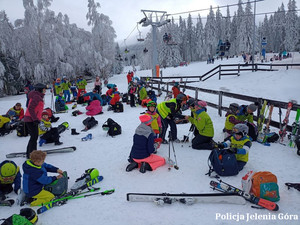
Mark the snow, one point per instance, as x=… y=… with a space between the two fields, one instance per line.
x=109 y=156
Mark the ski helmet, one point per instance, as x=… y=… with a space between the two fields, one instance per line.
x=39 y=87
x=29 y=214
x=8 y=169
x=191 y=102
x=92 y=173
x=241 y=129
x=151 y=103
x=181 y=97
x=233 y=107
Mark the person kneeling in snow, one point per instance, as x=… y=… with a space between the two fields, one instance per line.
x=141 y=154
x=47 y=133
x=239 y=144
x=35 y=178
x=94 y=107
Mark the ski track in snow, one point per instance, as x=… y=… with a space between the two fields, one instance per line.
x=109 y=156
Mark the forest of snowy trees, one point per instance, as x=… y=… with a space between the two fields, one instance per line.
x=197 y=38
x=43 y=46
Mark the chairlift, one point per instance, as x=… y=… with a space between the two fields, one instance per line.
x=139 y=37
x=145 y=50
x=126 y=50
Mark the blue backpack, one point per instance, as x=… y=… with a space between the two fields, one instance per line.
x=223 y=163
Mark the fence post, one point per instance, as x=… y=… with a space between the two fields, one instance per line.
x=196 y=94
x=167 y=87
x=239 y=67
x=220 y=103
x=287 y=66
x=220 y=72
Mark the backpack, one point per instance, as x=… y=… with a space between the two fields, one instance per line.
x=223 y=163
x=253 y=132
x=58 y=187
x=271 y=137
x=16 y=219
x=119 y=107
x=90 y=122
x=22 y=130
x=264 y=185
x=112 y=127
x=125 y=98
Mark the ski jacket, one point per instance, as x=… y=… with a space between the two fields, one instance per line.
x=156 y=123
x=35 y=177
x=93 y=95
x=19 y=113
x=65 y=85
x=14 y=179
x=3 y=121
x=203 y=123
x=81 y=83
x=44 y=126
x=243 y=145
x=230 y=121
x=175 y=91
x=115 y=97
x=94 y=108
x=168 y=108
x=243 y=115
x=58 y=87
x=35 y=106
x=143 y=142
x=143 y=93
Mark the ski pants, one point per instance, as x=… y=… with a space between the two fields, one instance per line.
x=33 y=131
x=42 y=197
x=202 y=142
x=132 y=100
x=154 y=161
x=67 y=95
x=51 y=136
x=165 y=124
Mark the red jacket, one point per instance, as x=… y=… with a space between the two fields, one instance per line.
x=35 y=106
x=175 y=91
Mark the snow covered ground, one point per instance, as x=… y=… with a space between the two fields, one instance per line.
x=109 y=155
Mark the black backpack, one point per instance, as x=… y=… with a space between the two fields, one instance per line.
x=22 y=130
x=119 y=107
x=125 y=98
x=112 y=127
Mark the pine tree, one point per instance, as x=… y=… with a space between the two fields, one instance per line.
x=292 y=32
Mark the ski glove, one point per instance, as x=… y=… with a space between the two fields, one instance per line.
x=220 y=145
x=233 y=150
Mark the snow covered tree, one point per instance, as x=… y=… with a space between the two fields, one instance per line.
x=211 y=41
x=291 y=29
x=200 y=51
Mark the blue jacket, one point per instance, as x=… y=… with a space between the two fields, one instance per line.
x=92 y=95
x=143 y=142
x=35 y=177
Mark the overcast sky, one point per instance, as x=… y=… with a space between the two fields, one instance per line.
x=126 y=14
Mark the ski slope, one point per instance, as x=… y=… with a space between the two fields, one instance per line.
x=109 y=156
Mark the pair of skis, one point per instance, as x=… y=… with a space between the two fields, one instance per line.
x=295 y=130
x=230 y=195
x=262 y=132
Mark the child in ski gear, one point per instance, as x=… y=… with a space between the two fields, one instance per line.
x=33 y=115
x=60 y=103
x=141 y=154
x=204 y=125
x=51 y=116
x=151 y=94
x=47 y=133
x=231 y=118
x=58 y=86
x=245 y=112
x=175 y=89
x=94 y=107
x=74 y=90
x=156 y=123
x=66 y=88
x=82 y=99
x=142 y=93
x=81 y=84
x=115 y=97
x=27 y=216
x=35 y=178
x=239 y=144
x=98 y=85
x=93 y=95
x=5 y=126
x=9 y=175
x=167 y=111
x=132 y=91
x=18 y=112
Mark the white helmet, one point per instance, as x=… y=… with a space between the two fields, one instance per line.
x=240 y=128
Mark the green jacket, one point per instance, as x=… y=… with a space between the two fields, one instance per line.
x=81 y=84
x=66 y=86
x=143 y=93
x=167 y=108
x=203 y=123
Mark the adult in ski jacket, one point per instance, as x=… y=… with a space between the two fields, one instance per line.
x=81 y=84
x=58 y=86
x=167 y=111
x=17 y=110
x=66 y=88
x=94 y=108
x=245 y=112
x=204 y=125
x=33 y=115
x=141 y=154
x=9 y=176
x=35 y=178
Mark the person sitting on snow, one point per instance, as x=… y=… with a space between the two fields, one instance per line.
x=9 y=175
x=60 y=103
x=239 y=144
x=17 y=111
x=5 y=125
x=93 y=95
x=94 y=107
x=115 y=97
x=245 y=112
x=47 y=133
x=231 y=118
x=141 y=154
x=35 y=178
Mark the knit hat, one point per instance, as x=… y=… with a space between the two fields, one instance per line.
x=146 y=119
x=252 y=107
x=45 y=113
x=201 y=104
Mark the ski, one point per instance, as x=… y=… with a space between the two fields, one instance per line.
x=189 y=199
x=293 y=185
x=59 y=202
x=51 y=151
x=285 y=121
x=82 y=184
x=224 y=187
x=261 y=117
x=267 y=127
x=8 y=202
x=295 y=130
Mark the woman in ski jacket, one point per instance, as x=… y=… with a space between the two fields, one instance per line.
x=33 y=115
x=35 y=178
